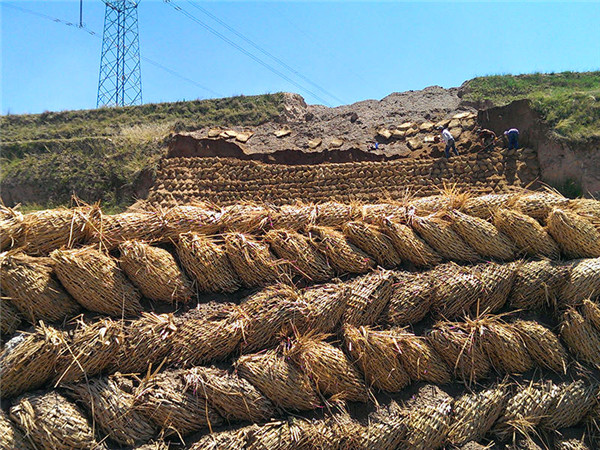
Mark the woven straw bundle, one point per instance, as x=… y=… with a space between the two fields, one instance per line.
x=473 y=414
x=525 y=409
x=483 y=206
x=584 y=282
x=10 y=318
x=497 y=281
x=339 y=431
x=34 y=291
x=542 y=345
x=440 y=235
x=462 y=349
x=11 y=227
x=53 y=422
x=575 y=234
x=153 y=445
x=341 y=254
x=433 y=203
x=10 y=436
x=147 y=342
x=333 y=373
x=591 y=313
x=110 y=231
x=174 y=406
x=373 y=242
x=419 y=359
x=369 y=295
x=505 y=347
x=94 y=348
x=538 y=284
x=44 y=231
x=244 y=218
x=224 y=440
x=456 y=290
x=333 y=214
x=570 y=405
x=384 y=431
x=410 y=300
x=198 y=340
x=376 y=355
x=280 y=381
x=323 y=307
x=252 y=260
x=280 y=435
x=28 y=361
x=409 y=246
x=376 y=213
x=581 y=337
x=268 y=315
x=570 y=444
x=298 y=251
x=96 y=282
x=293 y=217
x=586 y=207
x=527 y=233
x=428 y=426
x=114 y=411
x=483 y=236
x=190 y=218
x=233 y=397
x=154 y=272
x=538 y=204
x=207 y=263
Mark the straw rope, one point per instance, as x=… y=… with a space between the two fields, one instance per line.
x=369 y=295
x=340 y=253
x=10 y=436
x=410 y=300
x=373 y=242
x=10 y=318
x=576 y=235
x=527 y=233
x=409 y=246
x=439 y=234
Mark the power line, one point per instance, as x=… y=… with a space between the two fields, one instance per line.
x=96 y=35
x=243 y=50
x=265 y=52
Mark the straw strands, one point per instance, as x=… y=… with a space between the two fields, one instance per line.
x=330 y=369
x=371 y=240
x=538 y=204
x=575 y=234
x=376 y=355
x=280 y=381
x=527 y=233
x=155 y=273
x=252 y=260
x=497 y=281
x=505 y=348
x=409 y=246
x=410 y=300
x=10 y=318
x=439 y=234
x=428 y=426
x=28 y=361
x=51 y=421
x=484 y=206
x=244 y=218
x=482 y=236
x=538 y=284
x=419 y=359
x=334 y=214
x=343 y=256
x=207 y=263
x=292 y=217
x=581 y=337
x=110 y=231
x=190 y=219
x=542 y=345
x=10 y=436
x=232 y=396
x=114 y=411
x=11 y=227
x=34 y=291
x=174 y=406
x=323 y=307
x=591 y=312
x=369 y=295
x=456 y=290
x=96 y=282
x=584 y=281
x=300 y=254
x=572 y=402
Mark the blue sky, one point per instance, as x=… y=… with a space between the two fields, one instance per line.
x=353 y=50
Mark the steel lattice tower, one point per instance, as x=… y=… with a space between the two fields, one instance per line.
x=120 y=81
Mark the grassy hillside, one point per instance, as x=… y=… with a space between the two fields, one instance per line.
x=100 y=153
x=568 y=101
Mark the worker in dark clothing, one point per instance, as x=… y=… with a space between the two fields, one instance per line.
x=449 y=140
x=488 y=139
x=513 y=138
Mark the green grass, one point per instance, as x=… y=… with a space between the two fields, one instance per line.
x=99 y=154
x=568 y=101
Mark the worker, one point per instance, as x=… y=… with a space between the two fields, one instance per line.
x=449 y=140
x=513 y=138
x=488 y=138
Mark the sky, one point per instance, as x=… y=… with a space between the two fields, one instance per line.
x=330 y=52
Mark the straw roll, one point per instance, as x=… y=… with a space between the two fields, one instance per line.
x=581 y=337
x=373 y=242
x=369 y=295
x=154 y=272
x=96 y=282
x=10 y=318
x=410 y=300
x=11 y=227
x=575 y=234
x=190 y=219
x=110 y=230
x=539 y=204
x=542 y=345
x=505 y=347
x=10 y=436
x=343 y=256
x=409 y=246
x=584 y=281
x=440 y=235
x=538 y=284
x=570 y=405
x=428 y=426
x=53 y=422
x=420 y=360
x=323 y=307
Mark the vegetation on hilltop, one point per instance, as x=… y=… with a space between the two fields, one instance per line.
x=568 y=101
x=99 y=154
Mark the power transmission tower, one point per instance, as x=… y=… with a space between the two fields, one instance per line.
x=120 y=81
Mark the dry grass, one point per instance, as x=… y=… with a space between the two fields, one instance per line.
x=10 y=436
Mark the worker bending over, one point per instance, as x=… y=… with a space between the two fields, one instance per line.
x=513 y=138
x=449 y=140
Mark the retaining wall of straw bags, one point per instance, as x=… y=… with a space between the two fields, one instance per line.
x=227 y=181
x=495 y=299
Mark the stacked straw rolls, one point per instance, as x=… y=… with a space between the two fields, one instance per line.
x=318 y=315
